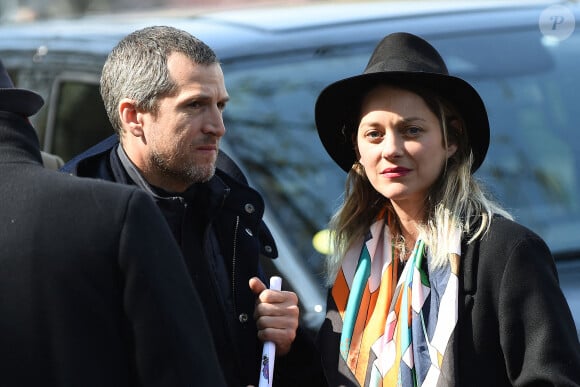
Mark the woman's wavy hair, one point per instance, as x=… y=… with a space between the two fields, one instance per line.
x=455 y=201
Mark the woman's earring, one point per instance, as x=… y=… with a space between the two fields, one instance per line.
x=358 y=168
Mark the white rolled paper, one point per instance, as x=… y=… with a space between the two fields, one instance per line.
x=269 y=350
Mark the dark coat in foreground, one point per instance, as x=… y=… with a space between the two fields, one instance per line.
x=93 y=289
x=514 y=327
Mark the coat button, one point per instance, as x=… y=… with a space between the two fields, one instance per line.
x=249 y=232
x=243 y=318
x=249 y=208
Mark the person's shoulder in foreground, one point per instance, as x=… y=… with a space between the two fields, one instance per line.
x=94 y=290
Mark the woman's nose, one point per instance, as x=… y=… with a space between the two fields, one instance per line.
x=392 y=146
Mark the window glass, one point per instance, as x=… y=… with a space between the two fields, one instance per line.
x=270 y=128
x=527 y=83
x=80 y=118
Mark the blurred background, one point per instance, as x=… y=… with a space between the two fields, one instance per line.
x=19 y=11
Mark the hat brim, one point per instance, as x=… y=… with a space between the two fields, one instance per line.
x=20 y=101
x=338 y=106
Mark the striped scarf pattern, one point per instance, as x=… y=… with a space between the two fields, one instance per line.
x=397 y=330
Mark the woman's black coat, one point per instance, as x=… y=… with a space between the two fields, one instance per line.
x=515 y=327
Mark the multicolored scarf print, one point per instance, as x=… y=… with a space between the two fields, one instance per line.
x=397 y=330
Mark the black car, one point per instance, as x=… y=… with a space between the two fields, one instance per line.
x=522 y=57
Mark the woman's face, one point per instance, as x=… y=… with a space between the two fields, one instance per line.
x=400 y=146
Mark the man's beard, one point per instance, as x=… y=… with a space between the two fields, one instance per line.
x=187 y=173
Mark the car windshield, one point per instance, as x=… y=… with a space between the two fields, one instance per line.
x=528 y=83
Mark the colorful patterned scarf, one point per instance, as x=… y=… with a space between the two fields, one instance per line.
x=397 y=330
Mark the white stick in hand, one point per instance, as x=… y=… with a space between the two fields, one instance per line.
x=269 y=350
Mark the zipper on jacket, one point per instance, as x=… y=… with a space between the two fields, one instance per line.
x=234 y=258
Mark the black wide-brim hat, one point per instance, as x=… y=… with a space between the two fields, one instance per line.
x=20 y=101
x=400 y=59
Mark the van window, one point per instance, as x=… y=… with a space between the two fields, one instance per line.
x=77 y=120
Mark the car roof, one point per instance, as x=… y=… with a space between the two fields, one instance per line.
x=268 y=29
x=329 y=14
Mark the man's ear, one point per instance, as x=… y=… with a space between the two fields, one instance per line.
x=130 y=117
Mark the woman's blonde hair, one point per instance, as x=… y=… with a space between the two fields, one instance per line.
x=455 y=201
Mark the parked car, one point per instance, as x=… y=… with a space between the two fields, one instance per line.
x=522 y=57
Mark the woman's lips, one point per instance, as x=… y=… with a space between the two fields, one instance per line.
x=395 y=172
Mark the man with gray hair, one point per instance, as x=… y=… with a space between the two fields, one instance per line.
x=164 y=92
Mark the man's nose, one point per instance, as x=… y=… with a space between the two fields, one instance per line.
x=214 y=124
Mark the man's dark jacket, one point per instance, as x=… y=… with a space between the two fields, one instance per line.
x=219 y=227
x=92 y=285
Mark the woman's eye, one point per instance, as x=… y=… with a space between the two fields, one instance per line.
x=373 y=134
x=412 y=131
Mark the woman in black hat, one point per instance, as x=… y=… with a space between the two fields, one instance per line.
x=432 y=283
